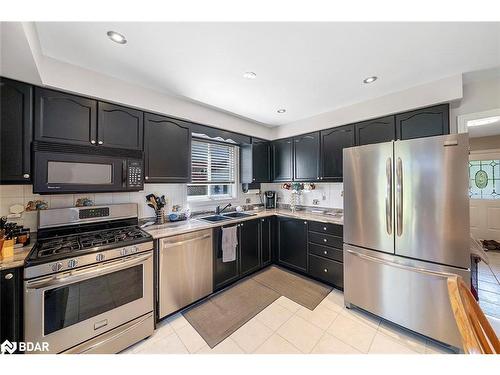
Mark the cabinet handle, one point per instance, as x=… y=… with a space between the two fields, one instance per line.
x=93 y=142
x=100 y=142
x=325 y=270
x=26 y=175
x=325 y=252
x=146 y=178
x=262 y=220
x=324 y=228
x=321 y=178
x=9 y=276
x=305 y=222
x=317 y=178
x=325 y=240
x=241 y=224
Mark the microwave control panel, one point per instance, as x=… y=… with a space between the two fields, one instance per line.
x=134 y=174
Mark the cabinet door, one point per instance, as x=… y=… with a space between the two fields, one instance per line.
x=15 y=131
x=292 y=247
x=11 y=305
x=426 y=122
x=375 y=131
x=249 y=246
x=266 y=240
x=282 y=160
x=333 y=142
x=167 y=149
x=64 y=118
x=306 y=157
x=119 y=127
x=260 y=161
x=224 y=272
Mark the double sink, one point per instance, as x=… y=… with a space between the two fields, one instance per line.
x=223 y=217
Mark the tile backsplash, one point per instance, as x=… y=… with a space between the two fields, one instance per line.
x=327 y=195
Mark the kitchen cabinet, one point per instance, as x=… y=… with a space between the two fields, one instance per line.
x=119 y=127
x=325 y=253
x=375 y=131
x=167 y=150
x=11 y=305
x=248 y=246
x=425 y=122
x=16 y=122
x=306 y=157
x=292 y=243
x=255 y=162
x=282 y=160
x=333 y=142
x=65 y=118
x=224 y=273
x=266 y=240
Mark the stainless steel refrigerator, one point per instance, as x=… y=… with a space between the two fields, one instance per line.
x=406 y=229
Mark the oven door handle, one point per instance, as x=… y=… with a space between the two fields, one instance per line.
x=76 y=276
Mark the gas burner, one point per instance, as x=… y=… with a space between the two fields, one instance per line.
x=58 y=246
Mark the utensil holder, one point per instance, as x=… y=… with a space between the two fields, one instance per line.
x=160 y=216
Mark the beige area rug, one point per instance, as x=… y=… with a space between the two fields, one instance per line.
x=222 y=314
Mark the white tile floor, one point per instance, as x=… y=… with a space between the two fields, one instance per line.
x=286 y=327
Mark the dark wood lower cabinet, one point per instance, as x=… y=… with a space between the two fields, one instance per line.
x=267 y=241
x=292 y=243
x=224 y=273
x=248 y=244
x=11 y=305
x=327 y=270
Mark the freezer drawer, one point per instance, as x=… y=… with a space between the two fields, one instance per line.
x=410 y=293
x=185 y=270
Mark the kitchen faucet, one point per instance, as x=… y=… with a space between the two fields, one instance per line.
x=218 y=210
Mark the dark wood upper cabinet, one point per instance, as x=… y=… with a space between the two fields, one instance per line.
x=425 y=122
x=292 y=243
x=61 y=117
x=282 y=160
x=375 y=131
x=249 y=246
x=255 y=162
x=119 y=127
x=333 y=142
x=167 y=149
x=16 y=104
x=306 y=156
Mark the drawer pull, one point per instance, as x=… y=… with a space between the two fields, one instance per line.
x=324 y=228
x=325 y=270
x=325 y=252
x=9 y=276
x=325 y=240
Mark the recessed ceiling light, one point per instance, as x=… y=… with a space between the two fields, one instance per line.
x=249 y=75
x=370 y=79
x=483 y=121
x=116 y=37
x=281 y=110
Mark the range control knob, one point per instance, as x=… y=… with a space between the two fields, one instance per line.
x=56 y=266
x=134 y=249
x=99 y=257
x=124 y=251
x=72 y=263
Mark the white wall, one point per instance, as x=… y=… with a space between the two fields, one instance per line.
x=441 y=91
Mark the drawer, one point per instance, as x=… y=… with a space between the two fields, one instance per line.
x=327 y=270
x=328 y=228
x=326 y=240
x=327 y=252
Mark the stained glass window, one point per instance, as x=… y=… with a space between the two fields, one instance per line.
x=484 y=179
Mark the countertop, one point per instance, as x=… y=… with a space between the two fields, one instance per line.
x=194 y=224
x=17 y=260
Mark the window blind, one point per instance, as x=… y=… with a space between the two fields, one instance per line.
x=212 y=163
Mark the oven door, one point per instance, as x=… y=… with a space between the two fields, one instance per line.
x=69 y=308
x=78 y=173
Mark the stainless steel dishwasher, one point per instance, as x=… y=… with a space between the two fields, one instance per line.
x=185 y=270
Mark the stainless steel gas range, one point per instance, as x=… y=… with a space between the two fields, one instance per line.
x=88 y=281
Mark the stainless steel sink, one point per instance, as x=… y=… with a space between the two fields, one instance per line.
x=238 y=214
x=214 y=218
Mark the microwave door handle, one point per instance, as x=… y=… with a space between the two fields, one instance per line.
x=124 y=173
x=75 y=276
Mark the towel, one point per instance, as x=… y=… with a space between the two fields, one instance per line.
x=229 y=243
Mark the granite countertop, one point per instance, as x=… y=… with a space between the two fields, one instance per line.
x=17 y=260
x=194 y=224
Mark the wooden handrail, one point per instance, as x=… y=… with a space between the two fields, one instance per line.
x=478 y=337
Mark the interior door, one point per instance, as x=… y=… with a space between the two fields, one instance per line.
x=368 y=197
x=432 y=200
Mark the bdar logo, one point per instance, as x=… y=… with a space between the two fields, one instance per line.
x=8 y=347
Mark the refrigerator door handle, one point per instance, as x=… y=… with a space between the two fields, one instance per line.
x=399 y=197
x=388 y=196
x=402 y=266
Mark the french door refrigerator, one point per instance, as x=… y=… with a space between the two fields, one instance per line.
x=406 y=229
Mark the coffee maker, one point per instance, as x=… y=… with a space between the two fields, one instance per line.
x=270 y=199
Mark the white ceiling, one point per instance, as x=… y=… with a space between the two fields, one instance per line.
x=487 y=130
x=307 y=68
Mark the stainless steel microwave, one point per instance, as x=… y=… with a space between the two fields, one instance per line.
x=60 y=168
